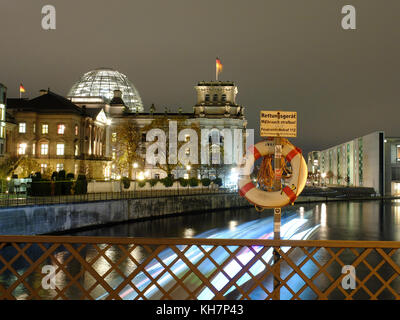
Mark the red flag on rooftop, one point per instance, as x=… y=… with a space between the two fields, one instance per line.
x=218 y=67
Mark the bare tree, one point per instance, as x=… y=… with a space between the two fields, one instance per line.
x=128 y=137
x=28 y=166
x=8 y=165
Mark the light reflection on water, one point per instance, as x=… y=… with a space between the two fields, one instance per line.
x=373 y=220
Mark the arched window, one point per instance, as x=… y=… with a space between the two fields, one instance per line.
x=215 y=97
x=223 y=97
x=207 y=98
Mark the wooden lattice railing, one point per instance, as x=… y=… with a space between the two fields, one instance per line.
x=139 y=268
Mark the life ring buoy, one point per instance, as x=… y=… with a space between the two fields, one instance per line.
x=291 y=187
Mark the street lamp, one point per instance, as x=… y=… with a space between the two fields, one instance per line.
x=135 y=166
x=188 y=168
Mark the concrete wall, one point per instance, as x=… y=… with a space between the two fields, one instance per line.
x=32 y=220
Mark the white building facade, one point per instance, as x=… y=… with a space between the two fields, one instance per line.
x=357 y=163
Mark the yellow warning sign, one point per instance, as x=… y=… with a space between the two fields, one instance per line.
x=278 y=124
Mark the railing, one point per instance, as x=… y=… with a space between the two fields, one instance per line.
x=138 y=268
x=12 y=200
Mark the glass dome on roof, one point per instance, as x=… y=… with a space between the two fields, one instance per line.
x=102 y=83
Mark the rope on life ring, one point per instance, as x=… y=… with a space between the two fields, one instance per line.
x=295 y=179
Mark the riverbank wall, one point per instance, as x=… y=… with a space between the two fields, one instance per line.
x=53 y=218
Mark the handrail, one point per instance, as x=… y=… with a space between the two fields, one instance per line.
x=199 y=241
x=192 y=268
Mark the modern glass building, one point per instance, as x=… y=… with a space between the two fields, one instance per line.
x=102 y=83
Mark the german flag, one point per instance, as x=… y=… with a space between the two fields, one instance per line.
x=218 y=65
x=21 y=88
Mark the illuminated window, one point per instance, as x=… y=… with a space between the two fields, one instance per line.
x=2 y=112
x=45 y=128
x=33 y=149
x=34 y=128
x=43 y=167
x=114 y=137
x=60 y=149
x=398 y=152
x=59 y=167
x=113 y=155
x=61 y=128
x=44 y=149
x=22 y=148
x=22 y=127
x=107 y=172
x=76 y=150
x=76 y=130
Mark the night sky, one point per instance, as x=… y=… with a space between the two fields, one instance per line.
x=289 y=55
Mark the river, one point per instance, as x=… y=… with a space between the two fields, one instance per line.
x=354 y=220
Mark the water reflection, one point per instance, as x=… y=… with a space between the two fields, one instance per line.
x=372 y=220
x=189 y=233
x=232 y=225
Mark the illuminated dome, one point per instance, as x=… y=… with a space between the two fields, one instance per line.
x=102 y=83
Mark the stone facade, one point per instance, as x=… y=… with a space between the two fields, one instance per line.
x=62 y=137
x=78 y=133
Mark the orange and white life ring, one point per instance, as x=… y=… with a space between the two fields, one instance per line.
x=291 y=187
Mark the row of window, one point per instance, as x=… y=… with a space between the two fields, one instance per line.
x=59 y=167
x=45 y=128
x=44 y=149
x=215 y=97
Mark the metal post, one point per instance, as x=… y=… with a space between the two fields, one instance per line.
x=277 y=214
